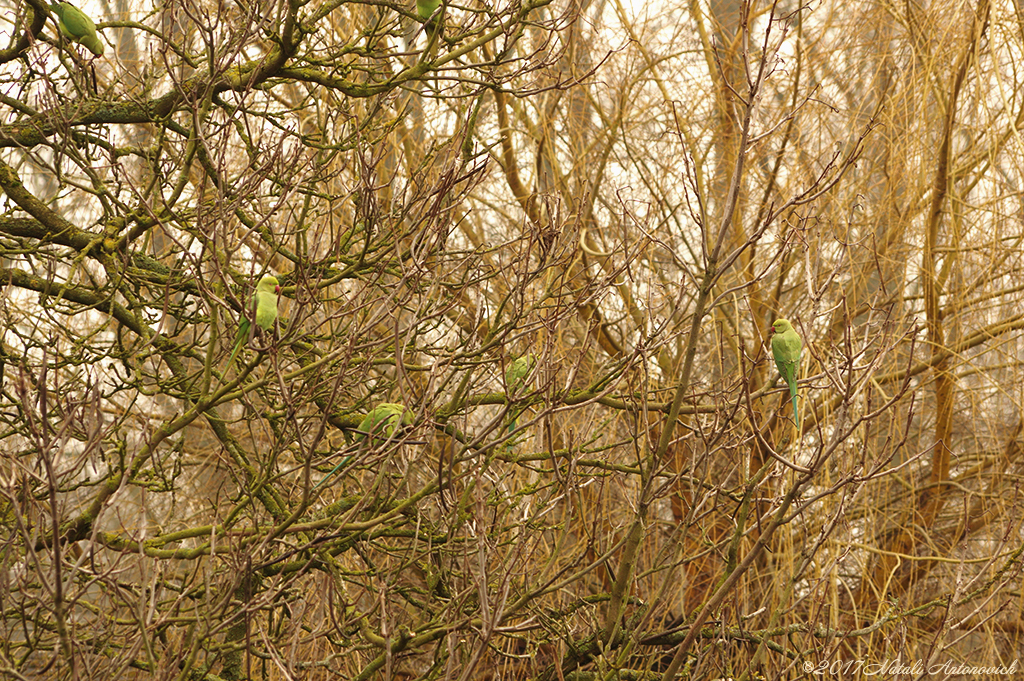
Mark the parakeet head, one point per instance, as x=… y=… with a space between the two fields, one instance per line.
x=268 y=283
x=781 y=326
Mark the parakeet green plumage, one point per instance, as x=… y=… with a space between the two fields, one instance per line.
x=263 y=311
x=518 y=371
x=380 y=424
x=426 y=9
x=516 y=374
x=786 y=346
x=383 y=420
x=265 y=301
x=76 y=26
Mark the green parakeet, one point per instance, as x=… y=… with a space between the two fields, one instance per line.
x=76 y=26
x=263 y=310
x=380 y=424
x=426 y=9
x=786 y=346
x=383 y=419
x=516 y=374
x=518 y=371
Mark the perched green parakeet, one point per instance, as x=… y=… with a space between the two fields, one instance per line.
x=383 y=420
x=380 y=424
x=516 y=374
x=426 y=9
x=518 y=371
x=263 y=310
x=76 y=26
x=786 y=346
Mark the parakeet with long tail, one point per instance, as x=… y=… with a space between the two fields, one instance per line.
x=263 y=311
x=786 y=346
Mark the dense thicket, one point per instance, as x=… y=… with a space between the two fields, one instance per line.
x=621 y=197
